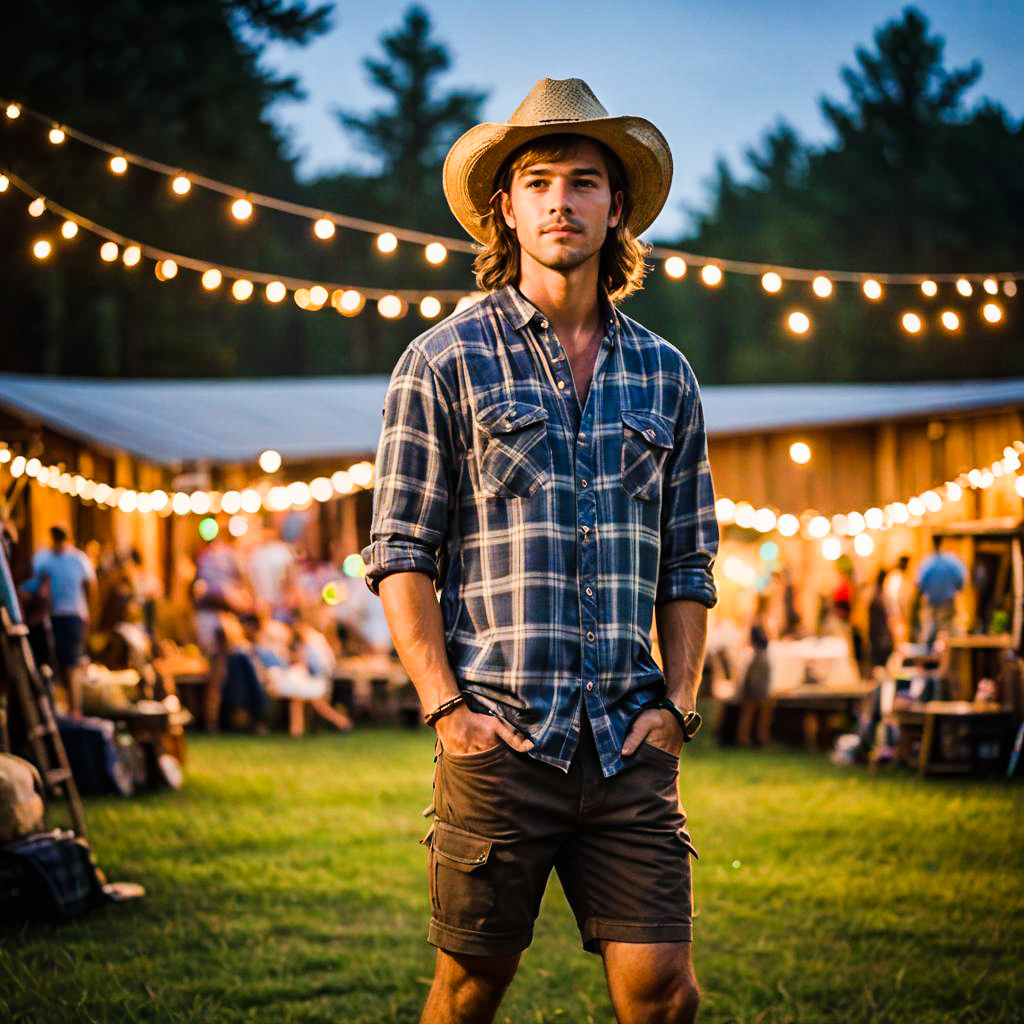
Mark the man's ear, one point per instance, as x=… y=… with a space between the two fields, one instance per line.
x=506 y=210
x=615 y=213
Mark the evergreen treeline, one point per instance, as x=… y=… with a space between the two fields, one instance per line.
x=911 y=180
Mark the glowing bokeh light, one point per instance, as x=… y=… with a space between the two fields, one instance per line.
x=181 y=185
x=911 y=323
x=872 y=289
x=208 y=529
x=435 y=253
x=270 y=460
x=929 y=288
x=211 y=279
x=69 y=229
x=390 y=307
x=798 y=322
x=275 y=291
x=324 y=229
x=387 y=242
x=771 y=282
x=430 y=307
x=822 y=287
x=118 y=164
x=800 y=452
x=241 y=209
x=711 y=275
x=41 y=249
x=108 y=252
x=675 y=267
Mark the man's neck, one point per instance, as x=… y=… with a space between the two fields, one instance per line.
x=569 y=300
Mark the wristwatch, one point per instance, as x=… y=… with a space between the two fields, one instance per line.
x=689 y=721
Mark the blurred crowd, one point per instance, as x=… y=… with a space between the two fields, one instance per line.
x=263 y=620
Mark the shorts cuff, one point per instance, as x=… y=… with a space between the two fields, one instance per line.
x=601 y=928
x=459 y=940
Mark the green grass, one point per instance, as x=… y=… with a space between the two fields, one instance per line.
x=285 y=883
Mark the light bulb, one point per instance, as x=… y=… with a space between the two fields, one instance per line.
x=37 y=207
x=675 y=267
x=131 y=255
x=800 y=452
x=387 y=242
x=429 y=307
x=390 y=307
x=41 y=249
x=964 y=287
x=165 y=270
x=798 y=322
x=275 y=291
x=69 y=229
x=435 y=253
x=771 y=282
x=241 y=290
x=270 y=461
x=992 y=312
x=950 y=320
x=318 y=296
x=241 y=209
x=911 y=323
x=13 y=111
x=350 y=302
x=211 y=279
x=108 y=252
x=929 y=288
x=991 y=285
x=711 y=275
x=872 y=289
x=324 y=229
x=5 y=182
x=821 y=286
x=57 y=135
x=118 y=164
x=181 y=185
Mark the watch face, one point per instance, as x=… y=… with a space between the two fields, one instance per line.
x=691 y=726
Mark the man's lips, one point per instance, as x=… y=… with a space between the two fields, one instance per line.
x=562 y=229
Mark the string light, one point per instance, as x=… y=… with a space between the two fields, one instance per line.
x=69 y=229
x=872 y=290
x=241 y=209
x=131 y=256
x=964 y=287
x=831 y=548
x=41 y=249
x=675 y=267
x=387 y=242
x=822 y=287
x=929 y=289
x=108 y=252
x=911 y=323
x=800 y=452
x=350 y=302
x=771 y=282
x=1009 y=289
x=323 y=228
x=5 y=183
x=211 y=279
x=241 y=290
x=118 y=164
x=166 y=269
x=991 y=285
x=711 y=275
x=275 y=291
x=798 y=322
x=13 y=111
x=56 y=135
x=318 y=296
x=950 y=320
x=992 y=312
x=430 y=307
x=435 y=253
x=390 y=307
x=181 y=185
x=270 y=461
x=37 y=207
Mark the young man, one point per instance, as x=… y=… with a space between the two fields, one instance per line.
x=543 y=461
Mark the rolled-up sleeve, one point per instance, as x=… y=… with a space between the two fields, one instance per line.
x=413 y=475
x=689 y=529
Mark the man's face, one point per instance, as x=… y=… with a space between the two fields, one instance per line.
x=561 y=212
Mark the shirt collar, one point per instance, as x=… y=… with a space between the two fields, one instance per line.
x=518 y=311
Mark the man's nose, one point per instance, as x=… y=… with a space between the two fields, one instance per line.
x=560 y=197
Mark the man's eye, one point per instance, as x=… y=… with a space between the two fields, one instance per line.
x=585 y=183
x=536 y=183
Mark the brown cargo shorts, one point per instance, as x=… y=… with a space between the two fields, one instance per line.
x=504 y=820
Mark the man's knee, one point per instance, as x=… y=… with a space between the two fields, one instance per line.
x=475 y=978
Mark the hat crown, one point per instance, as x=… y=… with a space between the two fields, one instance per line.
x=558 y=99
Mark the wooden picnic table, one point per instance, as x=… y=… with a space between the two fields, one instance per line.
x=954 y=737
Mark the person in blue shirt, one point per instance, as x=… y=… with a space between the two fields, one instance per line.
x=941 y=577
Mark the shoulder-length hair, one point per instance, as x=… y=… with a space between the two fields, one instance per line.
x=622 y=268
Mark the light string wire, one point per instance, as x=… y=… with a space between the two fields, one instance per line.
x=661 y=252
x=449 y=296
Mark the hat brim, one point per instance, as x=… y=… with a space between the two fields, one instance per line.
x=475 y=159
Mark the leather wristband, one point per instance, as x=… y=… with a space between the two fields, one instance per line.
x=444 y=708
x=689 y=721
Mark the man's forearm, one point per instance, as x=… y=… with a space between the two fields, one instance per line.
x=417 y=631
x=682 y=633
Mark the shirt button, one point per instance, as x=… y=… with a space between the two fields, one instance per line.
x=585 y=528
x=583 y=483
x=561 y=385
x=590 y=686
x=589 y=592
x=544 y=325
x=590 y=636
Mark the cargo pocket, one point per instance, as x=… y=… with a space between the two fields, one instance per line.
x=646 y=441
x=454 y=855
x=516 y=459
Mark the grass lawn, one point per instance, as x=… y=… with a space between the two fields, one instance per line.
x=285 y=883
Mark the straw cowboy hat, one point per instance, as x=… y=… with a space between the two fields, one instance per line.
x=553 y=107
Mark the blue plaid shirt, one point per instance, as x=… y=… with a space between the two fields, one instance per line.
x=550 y=529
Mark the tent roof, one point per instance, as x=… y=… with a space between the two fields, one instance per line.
x=169 y=422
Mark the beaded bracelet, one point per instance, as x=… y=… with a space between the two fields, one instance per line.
x=446 y=708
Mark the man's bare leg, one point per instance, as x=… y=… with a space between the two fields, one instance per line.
x=468 y=989
x=651 y=983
